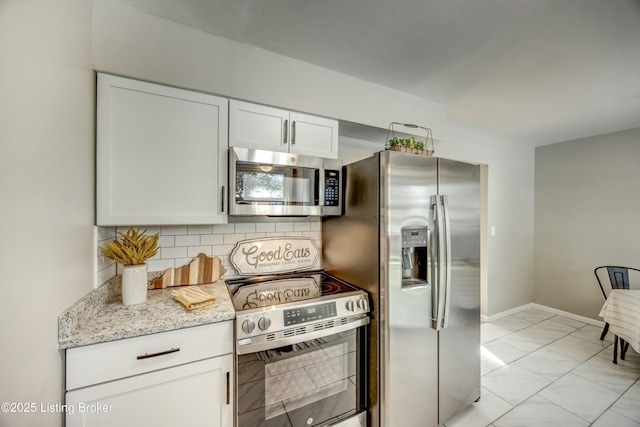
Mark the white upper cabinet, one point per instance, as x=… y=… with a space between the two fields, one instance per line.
x=161 y=154
x=268 y=128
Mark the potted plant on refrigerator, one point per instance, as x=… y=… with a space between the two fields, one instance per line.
x=132 y=251
x=410 y=144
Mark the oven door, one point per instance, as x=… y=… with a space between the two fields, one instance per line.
x=318 y=382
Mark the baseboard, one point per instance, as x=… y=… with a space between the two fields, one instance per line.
x=515 y=310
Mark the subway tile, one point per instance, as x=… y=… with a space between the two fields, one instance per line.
x=278 y=234
x=255 y=235
x=212 y=239
x=265 y=227
x=174 y=230
x=199 y=229
x=284 y=226
x=222 y=250
x=293 y=234
x=188 y=240
x=230 y=239
x=182 y=261
x=160 y=265
x=248 y=227
x=166 y=241
x=106 y=274
x=106 y=233
x=223 y=229
x=301 y=226
x=316 y=226
x=194 y=251
x=180 y=252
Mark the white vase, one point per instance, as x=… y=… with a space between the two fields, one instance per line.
x=134 y=284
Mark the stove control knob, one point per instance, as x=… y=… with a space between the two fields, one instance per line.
x=362 y=304
x=264 y=323
x=248 y=326
x=351 y=305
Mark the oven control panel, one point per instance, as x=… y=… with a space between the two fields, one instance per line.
x=269 y=320
x=310 y=313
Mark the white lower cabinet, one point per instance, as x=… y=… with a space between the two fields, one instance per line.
x=196 y=393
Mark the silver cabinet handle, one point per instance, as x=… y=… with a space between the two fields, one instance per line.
x=293 y=133
x=286 y=129
x=161 y=353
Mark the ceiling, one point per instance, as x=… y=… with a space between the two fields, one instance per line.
x=530 y=71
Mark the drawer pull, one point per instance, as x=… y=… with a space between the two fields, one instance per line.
x=228 y=389
x=162 y=353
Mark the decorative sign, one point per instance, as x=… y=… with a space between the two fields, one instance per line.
x=274 y=255
x=276 y=292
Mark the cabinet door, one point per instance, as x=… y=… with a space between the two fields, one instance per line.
x=258 y=126
x=161 y=154
x=314 y=136
x=195 y=394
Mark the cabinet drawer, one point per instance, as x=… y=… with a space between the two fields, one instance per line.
x=108 y=361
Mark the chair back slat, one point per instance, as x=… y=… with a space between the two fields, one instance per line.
x=619 y=277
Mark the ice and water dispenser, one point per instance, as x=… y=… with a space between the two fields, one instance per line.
x=414 y=257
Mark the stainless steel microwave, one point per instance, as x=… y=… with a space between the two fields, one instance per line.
x=283 y=184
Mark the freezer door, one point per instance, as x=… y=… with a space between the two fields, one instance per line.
x=409 y=364
x=459 y=341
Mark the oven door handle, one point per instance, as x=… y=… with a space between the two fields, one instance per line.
x=260 y=343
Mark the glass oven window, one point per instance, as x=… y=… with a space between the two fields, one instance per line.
x=275 y=185
x=304 y=384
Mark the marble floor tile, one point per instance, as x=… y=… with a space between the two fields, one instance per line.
x=501 y=352
x=489 y=363
x=629 y=404
x=526 y=340
x=538 y=411
x=534 y=315
x=481 y=413
x=582 y=397
x=568 y=321
x=632 y=358
x=552 y=328
x=612 y=418
x=602 y=371
x=575 y=348
x=592 y=334
x=514 y=384
x=512 y=323
x=490 y=332
x=548 y=363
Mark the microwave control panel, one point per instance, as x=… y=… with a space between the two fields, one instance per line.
x=331 y=188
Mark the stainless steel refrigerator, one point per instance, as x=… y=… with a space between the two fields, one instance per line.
x=410 y=236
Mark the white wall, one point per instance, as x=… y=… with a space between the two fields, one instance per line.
x=46 y=192
x=586 y=215
x=135 y=44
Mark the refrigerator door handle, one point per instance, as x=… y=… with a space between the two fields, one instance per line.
x=447 y=263
x=439 y=286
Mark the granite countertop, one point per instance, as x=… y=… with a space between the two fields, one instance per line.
x=100 y=316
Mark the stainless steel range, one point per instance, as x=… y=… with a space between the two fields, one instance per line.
x=301 y=350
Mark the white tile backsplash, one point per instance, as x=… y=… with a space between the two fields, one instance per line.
x=179 y=244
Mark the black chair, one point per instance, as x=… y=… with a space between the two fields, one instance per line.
x=618 y=279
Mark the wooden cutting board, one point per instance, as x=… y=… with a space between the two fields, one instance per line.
x=202 y=269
